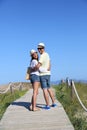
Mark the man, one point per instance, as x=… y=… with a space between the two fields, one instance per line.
x=44 y=62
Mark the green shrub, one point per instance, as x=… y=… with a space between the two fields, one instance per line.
x=80 y=123
x=71 y=105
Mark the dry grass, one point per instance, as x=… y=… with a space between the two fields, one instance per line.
x=24 y=85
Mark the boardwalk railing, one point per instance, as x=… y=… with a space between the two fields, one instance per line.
x=74 y=88
x=11 y=88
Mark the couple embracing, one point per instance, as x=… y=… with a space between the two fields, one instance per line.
x=40 y=73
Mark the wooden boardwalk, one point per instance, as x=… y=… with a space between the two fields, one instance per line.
x=18 y=116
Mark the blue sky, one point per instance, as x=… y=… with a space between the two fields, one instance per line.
x=60 y=24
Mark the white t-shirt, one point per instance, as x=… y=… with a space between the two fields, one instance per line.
x=44 y=60
x=32 y=65
x=41 y=69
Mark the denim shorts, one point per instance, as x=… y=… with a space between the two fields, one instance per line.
x=34 y=78
x=45 y=81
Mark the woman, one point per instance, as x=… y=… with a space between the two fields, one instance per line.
x=34 y=78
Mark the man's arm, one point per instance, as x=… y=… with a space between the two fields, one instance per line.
x=36 y=67
x=39 y=67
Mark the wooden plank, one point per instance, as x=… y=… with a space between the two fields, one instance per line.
x=18 y=116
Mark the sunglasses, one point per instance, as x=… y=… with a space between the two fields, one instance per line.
x=40 y=48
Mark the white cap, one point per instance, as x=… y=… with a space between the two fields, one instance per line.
x=32 y=51
x=41 y=44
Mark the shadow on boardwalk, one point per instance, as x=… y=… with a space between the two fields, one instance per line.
x=18 y=116
x=23 y=104
x=27 y=104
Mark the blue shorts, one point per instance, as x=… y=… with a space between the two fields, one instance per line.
x=45 y=81
x=34 y=78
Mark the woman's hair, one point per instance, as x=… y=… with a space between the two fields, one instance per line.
x=32 y=58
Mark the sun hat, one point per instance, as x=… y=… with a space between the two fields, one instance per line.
x=32 y=52
x=41 y=45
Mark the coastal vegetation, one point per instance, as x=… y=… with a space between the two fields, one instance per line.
x=74 y=110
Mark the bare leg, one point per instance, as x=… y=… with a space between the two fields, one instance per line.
x=34 y=97
x=51 y=95
x=31 y=104
x=46 y=96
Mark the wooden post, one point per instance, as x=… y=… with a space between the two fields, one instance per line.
x=68 y=82
x=11 y=89
x=20 y=88
x=72 y=90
